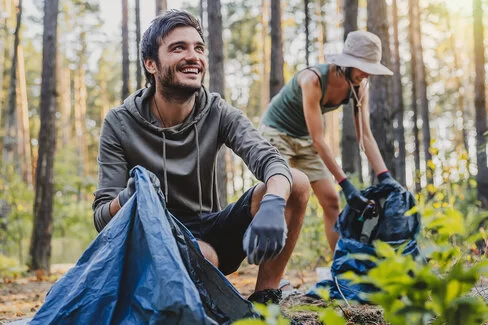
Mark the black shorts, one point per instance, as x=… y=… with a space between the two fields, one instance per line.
x=224 y=230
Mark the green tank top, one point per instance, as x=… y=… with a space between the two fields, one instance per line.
x=285 y=112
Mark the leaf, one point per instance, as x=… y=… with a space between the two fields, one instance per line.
x=249 y=321
x=383 y=249
x=330 y=317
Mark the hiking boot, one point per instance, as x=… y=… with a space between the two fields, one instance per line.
x=266 y=296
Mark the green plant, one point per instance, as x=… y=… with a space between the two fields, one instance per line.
x=437 y=291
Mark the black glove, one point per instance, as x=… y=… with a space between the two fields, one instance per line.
x=354 y=198
x=265 y=237
x=386 y=178
x=130 y=189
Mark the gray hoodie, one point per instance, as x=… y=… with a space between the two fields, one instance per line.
x=183 y=156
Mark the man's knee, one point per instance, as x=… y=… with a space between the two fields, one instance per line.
x=209 y=252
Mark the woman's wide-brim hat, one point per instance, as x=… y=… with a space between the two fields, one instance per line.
x=362 y=50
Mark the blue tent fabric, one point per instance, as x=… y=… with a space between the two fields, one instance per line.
x=143 y=268
x=393 y=227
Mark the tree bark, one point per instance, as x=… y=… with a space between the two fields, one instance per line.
x=161 y=6
x=125 y=51
x=277 y=79
x=24 y=140
x=463 y=141
x=322 y=30
x=10 y=137
x=266 y=57
x=217 y=83
x=307 y=33
x=398 y=106
x=480 y=103
x=422 y=90
x=380 y=90
x=40 y=248
x=350 y=155
x=413 y=63
x=138 y=41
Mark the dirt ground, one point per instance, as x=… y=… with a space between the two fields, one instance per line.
x=20 y=298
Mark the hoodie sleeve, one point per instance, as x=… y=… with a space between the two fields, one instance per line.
x=113 y=170
x=238 y=133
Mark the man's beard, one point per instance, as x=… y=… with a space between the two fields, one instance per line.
x=171 y=88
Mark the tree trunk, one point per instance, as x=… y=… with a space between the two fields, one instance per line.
x=217 y=83
x=350 y=155
x=413 y=63
x=422 y=90
x=463 y=141
x=64 y=102
x=10 y=137
x=398 y=106
x=277 y=79
x=24 y=140
x=480 y=103
x=161 y=6
x=322 y=30
x=125 y=51
x=40 y=248
x=138 y=41
x=3 y=53
x=307 y=33
x=380 y=87
x=266 y=57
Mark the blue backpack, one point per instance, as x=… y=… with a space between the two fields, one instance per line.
x=143 y=268
x=388 y=224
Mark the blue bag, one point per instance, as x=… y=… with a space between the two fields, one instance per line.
x=143 y=268
x=391 y=226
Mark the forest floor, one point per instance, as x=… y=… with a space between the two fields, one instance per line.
x=21 y=297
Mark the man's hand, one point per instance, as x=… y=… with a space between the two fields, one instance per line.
x=353 y=197
x=130 y=189
x=266 y=235
x=386 y=178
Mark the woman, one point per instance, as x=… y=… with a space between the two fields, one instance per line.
x=293 y=121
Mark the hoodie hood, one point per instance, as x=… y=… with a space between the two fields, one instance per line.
x=138 y=105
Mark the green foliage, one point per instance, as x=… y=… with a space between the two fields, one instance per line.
x=271 y=313
x=419 y=292
x=10 y=266
x=327 y=315
x=16 y=215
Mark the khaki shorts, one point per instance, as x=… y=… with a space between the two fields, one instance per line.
x=299 y=152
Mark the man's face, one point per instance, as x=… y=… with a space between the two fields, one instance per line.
x=182 y=62
x=357 y=76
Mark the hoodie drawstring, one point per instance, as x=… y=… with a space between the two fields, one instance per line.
x=199 y=181
x=164 y=168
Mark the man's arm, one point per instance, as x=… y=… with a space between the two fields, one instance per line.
x=262 y=159
x=312 y=93
x=278 y=185
x=113 y=173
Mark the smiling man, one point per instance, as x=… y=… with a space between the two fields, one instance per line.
x=294 y=121
x=174 y=128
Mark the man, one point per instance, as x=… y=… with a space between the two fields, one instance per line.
x=294 y=124
x=174 y=128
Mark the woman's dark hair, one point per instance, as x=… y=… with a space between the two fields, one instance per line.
x=157 y=31
x=344 y=72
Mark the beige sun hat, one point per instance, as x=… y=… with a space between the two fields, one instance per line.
x=362 y=50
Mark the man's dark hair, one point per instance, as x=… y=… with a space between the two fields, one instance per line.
x=157 y=31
